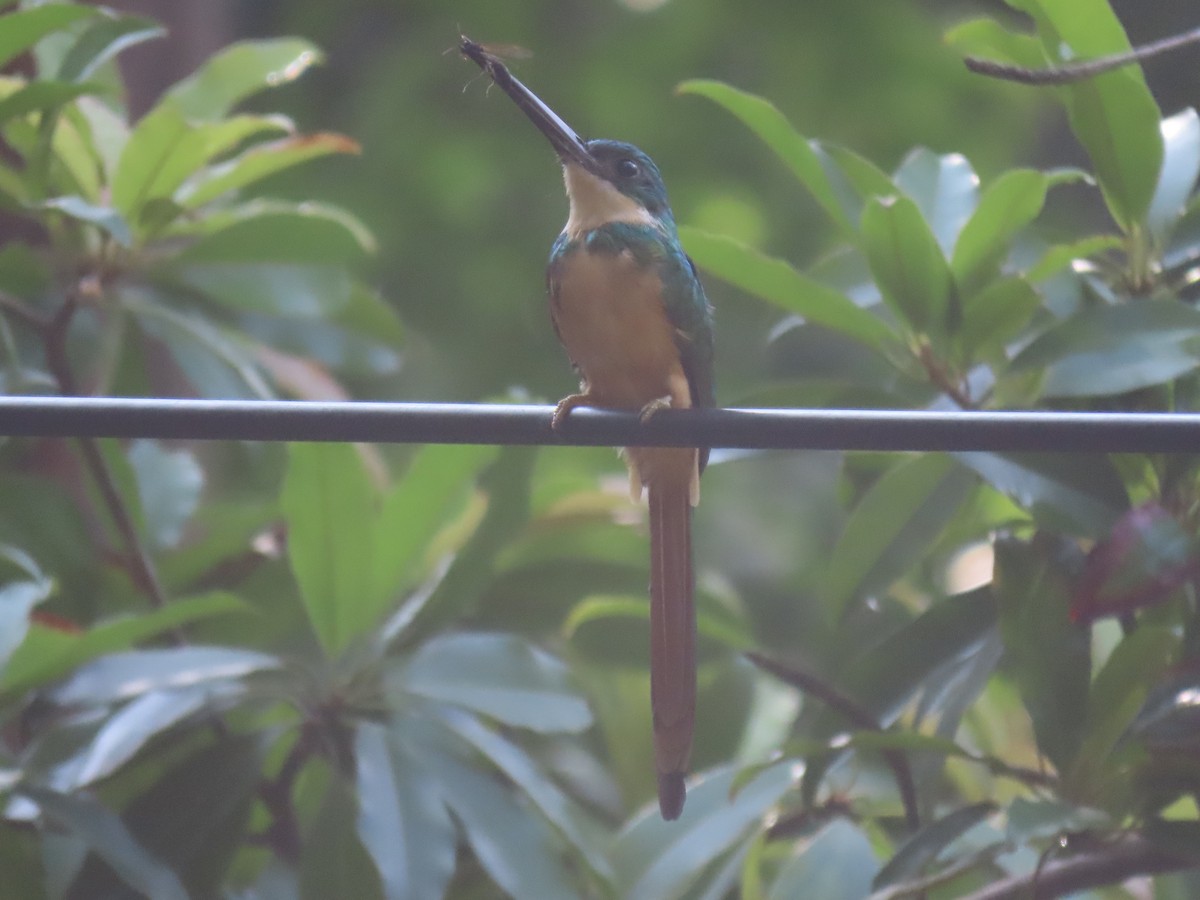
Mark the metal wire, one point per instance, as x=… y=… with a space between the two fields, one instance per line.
x=458 y=423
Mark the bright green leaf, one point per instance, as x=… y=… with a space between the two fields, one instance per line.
x=304 y=233
x=945 y=189
x=40 y=96
x=1008 y=204
x=996 y=315
x=148 y=153
x=103 y=39
x=23 y=28
x=988 y=39
x=777 y=282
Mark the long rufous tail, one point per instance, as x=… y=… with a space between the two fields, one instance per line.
x=672 y=639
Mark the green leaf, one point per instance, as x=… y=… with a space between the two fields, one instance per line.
x=103 y=217
x=49 y=653
x=654 y=859
x=40 y=96
x=996 y=315
x=257 y=163
x=334 y=862
x=1034 y=820
x=1105 y=350
x=23 y=28
x=855 y=178
x=1081 y=494
x=837 y=864
x=892 y=527
x=272 y=231
x=239 y=71
x=402 y=821
x=147 y=156
x=988 y=39
x=291 y=290
x=777 y=282
x=169 y=484
x=945 y=189
x=907 y=264
x=103 y=39
x=1008 y=204
x=417 y=506
x=1113 y=115
x=1180 y=167
x=1048 y=655
x=104 y=832
x=923 y=848
x=501 y=676
x=773 y=128
x=330 y=508
x=120 y=676
x=17 y=600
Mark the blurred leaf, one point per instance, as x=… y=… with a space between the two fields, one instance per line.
x=1113 y=115
x=1008 y=204
x=330 y=507
x=907 y=264
x=892 y=527
x=17 y=600
x=25 y=27
x=1080 y=494
x=585 y=835
x=417 y=506
x=132 y=673
x=402 y=822
x=773 y=128
x=1058 y=257
x=47 y=653
x=517 y=850
x=777 y=282
x=1031 y=820
x=854 y=177
x=501 y=676
x=313 y=234
x=334 y=862
x=1106 y=350
x=945 y=189
x=729 y=630
x=1048 y=655
x=108 y=838
x=997 y=315
x=837 y=864
x=103 y=39
x=989 y=39
x=923 y=848
x=237 y=72
x=257 y=163
x=41 y=96
x=273 y=288
x=169 y=484
x=103 y=217
x=655 y=859
x=148 y=155
x=1170 y=716
x=1180 y=167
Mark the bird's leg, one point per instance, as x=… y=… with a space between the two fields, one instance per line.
x=568 y=403
x=654 y=407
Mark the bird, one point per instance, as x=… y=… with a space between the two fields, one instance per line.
x=628 y=306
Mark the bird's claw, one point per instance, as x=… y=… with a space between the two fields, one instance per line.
x=564 y=407
x=651 y=409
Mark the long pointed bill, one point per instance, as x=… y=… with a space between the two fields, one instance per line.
x=569 y=146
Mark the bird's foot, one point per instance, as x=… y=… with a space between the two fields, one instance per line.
x=564 y=407
x=651 y=409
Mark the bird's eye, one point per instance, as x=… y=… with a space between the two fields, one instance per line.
x=627 y=168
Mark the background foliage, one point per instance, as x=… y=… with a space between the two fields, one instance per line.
x=413 y=673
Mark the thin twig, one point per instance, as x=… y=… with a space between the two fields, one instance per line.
x=858 y=716
x=1080 y=71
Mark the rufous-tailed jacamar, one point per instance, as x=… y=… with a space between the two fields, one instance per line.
x=628 y=307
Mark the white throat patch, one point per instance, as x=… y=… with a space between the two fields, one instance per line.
x=595 y=202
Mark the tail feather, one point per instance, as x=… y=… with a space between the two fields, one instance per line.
x=672 y=638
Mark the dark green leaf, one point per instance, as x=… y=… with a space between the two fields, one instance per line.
x=996 y=315
x=1040 y=819
x=1180 y=167
x=334 y=862
x=313 y=234
x=893 y=526
x=1008 y=204
x=106 y=835
x=133 y=673
x=103 y=39
x=103 y=217
x=989 y=39
x=837 y=864
x=773 y=128
x=23 y=28
x=924 y=847
x=330 y=507
x=1106 y=350
x=654 y=859
x=945 y=189
x=41 y=96
x=1048 y=655
x=237 y=72
x=501 y=676
x=402 y=821
x=777 y=282
x=48 y=653
x=1079 y=494
x=1113 y=115
x=907 y=264
x=854 y=177
x=273 y=288
x=169 y=484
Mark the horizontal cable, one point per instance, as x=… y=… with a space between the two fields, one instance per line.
x=462 y=423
